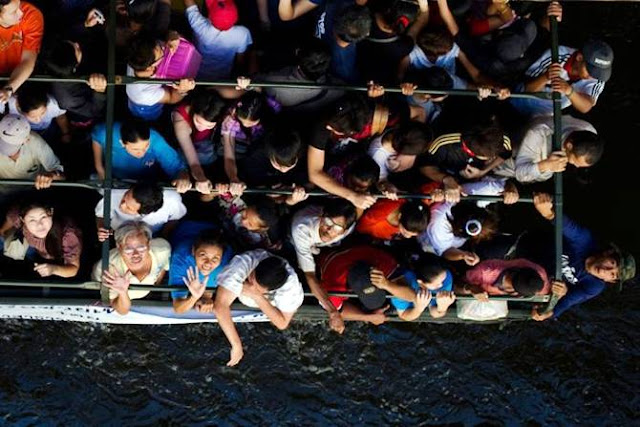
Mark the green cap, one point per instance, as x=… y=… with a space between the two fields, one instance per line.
x=626 y=266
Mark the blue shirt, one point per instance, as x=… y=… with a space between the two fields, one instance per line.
x=182 y=258
x=579 y=244
x=410 y=276
x=125 y=166
x=343 y=59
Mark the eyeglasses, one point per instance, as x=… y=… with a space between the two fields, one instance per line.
x=333 y=225
x=139 y=249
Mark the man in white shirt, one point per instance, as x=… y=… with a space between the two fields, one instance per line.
x=25 y=155
x=144 y=202
x=313 y=228
x=536 y=161
x=260 y=280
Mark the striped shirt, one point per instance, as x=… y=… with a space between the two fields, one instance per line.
x=535 y=107
x=447 y=153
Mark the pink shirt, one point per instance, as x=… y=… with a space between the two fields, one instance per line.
x=487 y=272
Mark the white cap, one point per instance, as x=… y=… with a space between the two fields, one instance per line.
x=14 y=131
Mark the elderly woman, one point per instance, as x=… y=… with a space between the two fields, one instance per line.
x=53 y=242
x=137 y=259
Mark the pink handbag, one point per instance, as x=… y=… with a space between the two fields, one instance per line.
x=182 y=64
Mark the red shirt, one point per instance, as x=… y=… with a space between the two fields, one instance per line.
x=335 y=265
x=25 y=35
x=196 y=135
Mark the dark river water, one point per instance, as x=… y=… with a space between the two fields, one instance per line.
x=582 y=369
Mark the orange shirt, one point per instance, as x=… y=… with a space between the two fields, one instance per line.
x=26 y=35
x=374 y=221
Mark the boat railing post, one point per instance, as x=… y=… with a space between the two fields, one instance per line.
x=557 y=177
x=108 y=181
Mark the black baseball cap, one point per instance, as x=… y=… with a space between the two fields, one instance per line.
x=359 y=281
x=599 y=58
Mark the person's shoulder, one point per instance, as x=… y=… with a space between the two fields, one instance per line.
x=31 y=14
x=160 y=246
x=171 y=197
x=100 y=129
x=444 y=142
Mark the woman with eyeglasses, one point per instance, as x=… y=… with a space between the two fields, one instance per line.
x=137 y=259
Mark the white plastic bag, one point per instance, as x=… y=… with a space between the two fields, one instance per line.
x=480 y=311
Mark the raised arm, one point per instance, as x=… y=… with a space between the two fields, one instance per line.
x=288 y=10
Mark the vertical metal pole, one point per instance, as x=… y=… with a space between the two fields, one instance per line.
x=557 y=177
x=107 y=184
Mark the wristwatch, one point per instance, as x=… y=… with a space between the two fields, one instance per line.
x=8 y=88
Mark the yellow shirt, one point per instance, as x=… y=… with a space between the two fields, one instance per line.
x=160 y=251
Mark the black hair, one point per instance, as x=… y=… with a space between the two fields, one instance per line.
x=133 y=130
x=60 y=58
x=429 y=266
x=466 y=211
x=271 y=273
x=208 y=104
x=208 y=237
x=266 y=209
x=430 y=78
x=4 y=3
x=251 y=106
x=31 y=96
x=414 y=216
x=399 y=14
x=283 y=145
x=141 y=52
x=53 y=240
x=353 y=23
x=350 y=114
x=141 y=11
x=149 y=195
x=335 y=208
x=314 y=59
x=411 y=138
x=365 y=169
x=485 y=140
x=525 y=281
x=435 y=43
x=586 y=144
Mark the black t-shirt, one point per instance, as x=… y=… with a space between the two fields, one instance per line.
x=446 y=152
x=380 y=55
x=256 y=170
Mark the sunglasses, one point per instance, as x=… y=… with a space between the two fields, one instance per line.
x=139 y=249
x=333 y=225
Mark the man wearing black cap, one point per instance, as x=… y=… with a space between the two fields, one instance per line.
x=579 y=75
x=365 y=271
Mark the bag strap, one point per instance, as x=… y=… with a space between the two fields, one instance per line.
x=380 y=119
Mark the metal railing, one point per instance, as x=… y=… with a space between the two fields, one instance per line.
x=108 y=183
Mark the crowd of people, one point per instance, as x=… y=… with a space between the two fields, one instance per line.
x=220 y=242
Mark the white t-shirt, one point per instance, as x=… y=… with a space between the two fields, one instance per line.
x=381 y=156
x=419 y=59
x=537 y=144
x=218 y=48
x=160 y=251
x=591 y=87
x=305 y=233
x=438 y=237
x=35 y=156
x=287 y=298
x=53 y=111
x=172 y=209
x=144 y=94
